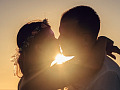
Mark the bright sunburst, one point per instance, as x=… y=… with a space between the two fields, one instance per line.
x=60 y=58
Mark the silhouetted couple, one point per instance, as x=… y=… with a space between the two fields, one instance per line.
x=90 y=69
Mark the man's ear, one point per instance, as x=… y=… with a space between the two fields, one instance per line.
x=98 y=53
x=100 y=46
x=101 y=42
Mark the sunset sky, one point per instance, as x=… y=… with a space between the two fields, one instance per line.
x=15 y=13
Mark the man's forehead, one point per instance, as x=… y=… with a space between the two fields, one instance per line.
x=72 y=28
x=68 y=26
x=68 y=22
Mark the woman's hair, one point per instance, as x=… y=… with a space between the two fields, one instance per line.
x=29 y=35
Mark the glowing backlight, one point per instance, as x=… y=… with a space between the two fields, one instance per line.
x=60 y=58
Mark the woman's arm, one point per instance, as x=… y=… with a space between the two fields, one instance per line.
x=110 y=48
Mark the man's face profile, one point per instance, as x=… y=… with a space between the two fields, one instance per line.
x=69 y=38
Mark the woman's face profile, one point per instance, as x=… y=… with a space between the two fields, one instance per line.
x=44 y=48
x=47 y=50
x=38 y=44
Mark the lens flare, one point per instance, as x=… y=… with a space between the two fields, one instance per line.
x=60 y=58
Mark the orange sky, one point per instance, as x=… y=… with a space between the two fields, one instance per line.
x=14 y=14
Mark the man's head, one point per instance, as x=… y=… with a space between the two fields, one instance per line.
x=79 y=28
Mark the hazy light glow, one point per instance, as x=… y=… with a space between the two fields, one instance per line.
x=60 y=58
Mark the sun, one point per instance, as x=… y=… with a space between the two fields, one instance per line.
x=60 y=58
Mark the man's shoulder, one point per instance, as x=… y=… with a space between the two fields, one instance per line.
x=109 y=66
x=108 y=77
x=107 y=81
x=110 y=63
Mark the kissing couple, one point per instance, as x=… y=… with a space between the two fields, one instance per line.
x=90 y=69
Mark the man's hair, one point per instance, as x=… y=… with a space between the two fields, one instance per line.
x=87 y=19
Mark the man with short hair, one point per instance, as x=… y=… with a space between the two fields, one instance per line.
x=91 y=68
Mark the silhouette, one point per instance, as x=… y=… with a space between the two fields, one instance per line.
x=36 y=41
x=79 y=30
x=91 y=69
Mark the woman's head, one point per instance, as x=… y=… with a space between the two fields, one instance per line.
x=36 y=41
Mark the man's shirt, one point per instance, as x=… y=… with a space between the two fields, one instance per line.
x=108 y=77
